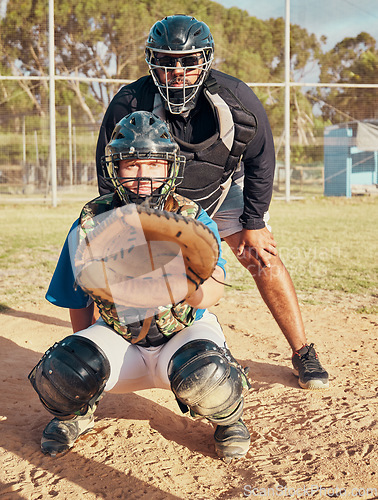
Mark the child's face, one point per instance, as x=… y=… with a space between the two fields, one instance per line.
x=134 y=168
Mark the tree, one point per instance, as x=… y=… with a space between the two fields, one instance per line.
x=353 y=60
x=23 y=49
x=96 y=40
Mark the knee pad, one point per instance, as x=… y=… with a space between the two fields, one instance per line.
x=203 y=379
x=71 y=376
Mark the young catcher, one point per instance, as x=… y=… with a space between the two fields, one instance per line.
x=151 y=261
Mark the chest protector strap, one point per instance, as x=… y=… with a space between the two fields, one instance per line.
x=211 y=164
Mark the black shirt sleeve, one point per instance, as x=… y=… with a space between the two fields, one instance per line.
x=259 y=163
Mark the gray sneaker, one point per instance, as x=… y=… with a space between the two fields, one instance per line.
x=307 y=367
x=60 y=435
x=232 y=441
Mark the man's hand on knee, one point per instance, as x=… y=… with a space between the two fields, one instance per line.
x=261 y=241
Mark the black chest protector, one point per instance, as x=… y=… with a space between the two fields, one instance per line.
x=211 y=163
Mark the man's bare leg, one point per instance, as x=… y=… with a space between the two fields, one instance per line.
x=278 y=292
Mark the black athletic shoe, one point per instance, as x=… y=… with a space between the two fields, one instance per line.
x=309 y=370
x=60 y=435
x=232 y=441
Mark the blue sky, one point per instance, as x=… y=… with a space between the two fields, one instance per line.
x=336 y=19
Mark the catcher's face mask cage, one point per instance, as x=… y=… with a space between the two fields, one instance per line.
x=193 y=47
x=143 y=136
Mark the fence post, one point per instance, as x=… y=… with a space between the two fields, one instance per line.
x=52 y=104
x=287 y=101
x=23 y=142
x=77 y=179
x=70 y=146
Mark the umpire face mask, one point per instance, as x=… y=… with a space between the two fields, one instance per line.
x=178 y=76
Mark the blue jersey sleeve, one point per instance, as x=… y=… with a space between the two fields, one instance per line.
x=62 y=290
x=205 y=219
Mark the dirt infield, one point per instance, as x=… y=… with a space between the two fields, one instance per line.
x=304 y=444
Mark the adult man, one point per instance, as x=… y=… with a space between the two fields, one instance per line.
x=182 y=348
x=223 y=131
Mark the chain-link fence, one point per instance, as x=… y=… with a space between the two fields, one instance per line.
x=98 y=48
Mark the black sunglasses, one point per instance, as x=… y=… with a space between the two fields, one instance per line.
x=185 y=61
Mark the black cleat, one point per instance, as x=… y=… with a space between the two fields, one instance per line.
x=232 y=441
x=308 y=369
x=60 y=435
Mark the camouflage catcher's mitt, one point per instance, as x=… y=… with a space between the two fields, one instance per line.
x=142 y=258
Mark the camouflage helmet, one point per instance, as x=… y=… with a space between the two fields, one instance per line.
x=142 y=135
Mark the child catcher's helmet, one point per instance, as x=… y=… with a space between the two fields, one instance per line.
x=143 y=136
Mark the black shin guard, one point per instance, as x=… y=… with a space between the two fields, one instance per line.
x=203 y=379
x=70 y=377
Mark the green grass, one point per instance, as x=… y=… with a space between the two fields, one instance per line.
x=326 y=244
x=329 y=243
x=30 y=241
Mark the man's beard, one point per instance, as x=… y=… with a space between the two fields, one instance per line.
x=179 y=80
